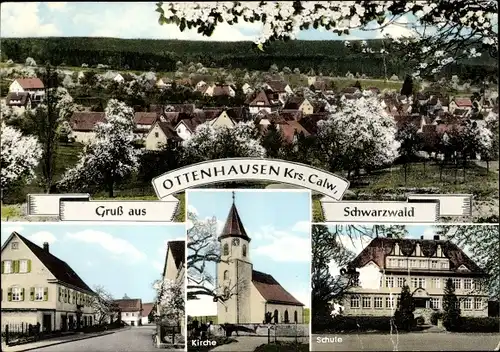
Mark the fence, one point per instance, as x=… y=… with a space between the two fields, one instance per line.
x=169 y=334
x=15 y=332
x=298 y=333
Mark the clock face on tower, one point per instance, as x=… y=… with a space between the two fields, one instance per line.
x=236 y=241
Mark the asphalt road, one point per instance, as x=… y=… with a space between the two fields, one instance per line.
x=133 y=340
x=408 y=342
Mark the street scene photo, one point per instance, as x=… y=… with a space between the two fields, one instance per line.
x=248 y=264
x=405 y=288
x=92 y=287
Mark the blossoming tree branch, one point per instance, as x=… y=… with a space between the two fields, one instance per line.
x=439 y=32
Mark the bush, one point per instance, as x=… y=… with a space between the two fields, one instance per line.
x=435 y=317
x=420 y=321
x=359 y=324
x=486 y=324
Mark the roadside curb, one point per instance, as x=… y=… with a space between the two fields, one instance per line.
x=68 y=341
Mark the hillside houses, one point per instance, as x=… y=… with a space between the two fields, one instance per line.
x=32 y=86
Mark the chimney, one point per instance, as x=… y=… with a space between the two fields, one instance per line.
x=436 y=237
x=46 y=247
x=389 y=235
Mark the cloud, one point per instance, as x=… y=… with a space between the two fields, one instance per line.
x=283 y=246
x=202 y=306
x=157 y=265
x=43 y=236
x=22 y=20
x=12 y=228
x=429 y=232
x=118 y=247
x=58 y=6
x=302 y=226
x=192 y=209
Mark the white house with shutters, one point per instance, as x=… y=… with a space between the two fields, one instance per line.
x=39 y=288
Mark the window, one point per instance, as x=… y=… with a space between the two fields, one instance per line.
x=244 y=250
x=457 y=283
x=401 y=281
x=126 y=314
x=436 y=282
x=7 y=267
x=389 y=281
x=444 y=265
x=421 y=282
x=413 y=263
x=157 y=134
x=467 y=284
x=422 y=263
x=367 y=302
x=377 y=302
x=133 y=314
x=226 y=275
x=14 y=245
x=39 y=293
x=389 y=302
x=414 y=282
x=23 y=266
x=354 y=302
x=435 y=303
x=17 y=294
x=401 y=263
x=225 y=249
x=477 y=285
x=478 y=304
x=434 y=264
x=467 y=303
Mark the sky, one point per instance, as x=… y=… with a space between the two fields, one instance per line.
x=136 y=20
x=278 y=223
x=124 y=259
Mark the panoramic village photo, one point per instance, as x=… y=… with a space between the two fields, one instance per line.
x=92 y=288
x=248 y=265
x=405 y=288
x=392 y=107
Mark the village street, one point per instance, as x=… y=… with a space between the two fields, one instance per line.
x=409 y=342
x=134 y=339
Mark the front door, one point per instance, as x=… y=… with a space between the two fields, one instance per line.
x=71 y=322
x=132 y=323
x=47 y=323
x=64 y=323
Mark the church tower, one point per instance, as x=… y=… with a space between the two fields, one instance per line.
x=234 y=272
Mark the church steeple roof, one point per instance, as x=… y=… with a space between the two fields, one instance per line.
x=234 y=226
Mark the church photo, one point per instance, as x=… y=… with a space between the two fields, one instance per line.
x=248 y=257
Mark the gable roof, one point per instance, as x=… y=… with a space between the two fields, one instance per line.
x=178 y=249
x=380 y=247
x=290 y=128
x=85 y=121
x=17 y=99
x=129 y=305
x=167 y=129
x=30 y=83
x=271 y=290
x=234 y=226
x=294 y=103
x=147 y=308
x=260 y=97
x=277 y=86
x=464 y=102
x=60 y=269
x=145 y=118
x=191 y=123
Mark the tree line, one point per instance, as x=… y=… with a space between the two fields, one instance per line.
x=162 y=55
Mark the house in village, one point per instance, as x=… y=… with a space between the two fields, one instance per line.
x=33 y=86
x=40 y=288
x=147 y=313
x=130 y=310
x=218 y=90
x=263 y=100
x=300 y=103
x=186 y=127
x=164 y=82
x=160 y=133
x=460 y=103
x=18 y=101
x=82 y=125
x=143 y=122
x=251 y=293
x=281 y=88
x=424 y=265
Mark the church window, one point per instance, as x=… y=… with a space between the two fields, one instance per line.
x=244 y=250
x=226 y=275
x=286 y=317
x=225 y=250
x=295 y=317
x=276 y=316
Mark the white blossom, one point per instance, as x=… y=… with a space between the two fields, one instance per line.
x=20 y=156
x=30 y=62
x=170 y=297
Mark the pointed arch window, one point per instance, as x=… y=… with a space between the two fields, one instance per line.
x=286 y=317
x=226 y=275
x=276 y=316
x=295 y=317
x=225 y=249
x=244 y=250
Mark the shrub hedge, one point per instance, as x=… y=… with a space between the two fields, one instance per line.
x=484 y=324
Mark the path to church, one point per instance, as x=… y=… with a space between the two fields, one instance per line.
x=411 y=342
x=134 y=339
x=247 y=343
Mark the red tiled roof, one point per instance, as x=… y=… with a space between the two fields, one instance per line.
x=291 y=114
x=466 y=102
x=222 y=91
x=60 y=269
x=277 y=86
x=17 y=99
x=147 y=308
x=380 y=247
x=234 y=227
x=290 y=128
x=85 y=121
x=271 y=290
x=145 y=118
x=293 y=103
x=129 y=305
x=30 y=83
x=261 y=97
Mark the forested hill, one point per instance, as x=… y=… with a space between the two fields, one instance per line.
x=143 y=54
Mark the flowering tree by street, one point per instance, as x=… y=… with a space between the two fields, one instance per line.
x=111 y=156
x=358 y=134
x=489 y=152
x=20 y=155
x=102 y=305
x=439 y=33
x=210 y=142
x=170 y=299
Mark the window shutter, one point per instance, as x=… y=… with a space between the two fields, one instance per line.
x=46 y=294
x=9 y=294
x=16 y=266
x=32 y=293
x=3 y=266
x=22 y=294
x=29 y=265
